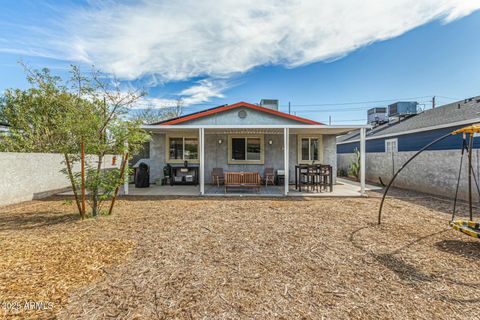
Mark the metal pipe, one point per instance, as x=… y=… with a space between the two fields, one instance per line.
x=403 y=166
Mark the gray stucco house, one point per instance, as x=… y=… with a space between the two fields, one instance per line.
x=242 y=137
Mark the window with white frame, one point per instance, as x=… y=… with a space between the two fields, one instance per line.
x=182 y=148
x=245 y=149
x=391 y=145
x=309 y=149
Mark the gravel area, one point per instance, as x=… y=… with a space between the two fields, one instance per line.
x=162 y=258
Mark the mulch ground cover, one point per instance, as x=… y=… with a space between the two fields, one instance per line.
x=162 y=258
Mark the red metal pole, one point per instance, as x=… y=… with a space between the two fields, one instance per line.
x=83 y=180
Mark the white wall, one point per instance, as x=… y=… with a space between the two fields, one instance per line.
x=27 y=176
x=434 y=172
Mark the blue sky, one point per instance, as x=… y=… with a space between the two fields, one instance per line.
x=317 y=60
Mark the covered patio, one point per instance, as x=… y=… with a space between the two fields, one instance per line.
x=266 y=146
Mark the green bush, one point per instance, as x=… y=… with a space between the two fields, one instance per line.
x=354 y=170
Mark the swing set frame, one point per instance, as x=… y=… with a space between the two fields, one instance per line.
x=470 y=227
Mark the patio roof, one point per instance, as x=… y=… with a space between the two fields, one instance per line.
x=204 y=130
x=302 y=129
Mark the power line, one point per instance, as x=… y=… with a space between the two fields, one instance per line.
x=290 y=105
x=450 y=98
x=356 y=102
x=347 y=120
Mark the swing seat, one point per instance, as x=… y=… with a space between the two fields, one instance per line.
x=470 y=228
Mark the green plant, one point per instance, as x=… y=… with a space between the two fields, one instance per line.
x=341 y=172
x=84 y=115
x=354 y=169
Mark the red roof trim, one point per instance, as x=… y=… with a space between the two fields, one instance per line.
x=233 y=106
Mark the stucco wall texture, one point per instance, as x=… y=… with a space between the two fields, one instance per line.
x=433 y=172
x=216 y=155
x=27 y=176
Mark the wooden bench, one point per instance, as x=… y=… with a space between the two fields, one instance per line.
x=242 y=180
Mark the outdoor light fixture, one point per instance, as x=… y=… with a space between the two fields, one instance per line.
x=270 y=142
x=220 y=141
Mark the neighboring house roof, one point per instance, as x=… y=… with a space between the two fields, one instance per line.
x=457 y=113
x=211 y=111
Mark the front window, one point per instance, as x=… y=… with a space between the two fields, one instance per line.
x=182 y=148
x=310 y=149
x=246 y=150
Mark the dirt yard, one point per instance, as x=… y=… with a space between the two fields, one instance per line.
x=239 y=258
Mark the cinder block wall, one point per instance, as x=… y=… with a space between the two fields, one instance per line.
x=433 y=172
x=28 y=176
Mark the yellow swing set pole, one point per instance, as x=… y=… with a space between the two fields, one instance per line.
x=470 y=169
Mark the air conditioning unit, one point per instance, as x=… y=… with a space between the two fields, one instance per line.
x=269 y=103
x=402 y=108
x=377 y=116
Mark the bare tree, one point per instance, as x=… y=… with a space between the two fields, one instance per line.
x=153 y=115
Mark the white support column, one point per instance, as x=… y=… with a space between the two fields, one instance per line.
x=286 y=144
x=362 y=160
x=201 y=135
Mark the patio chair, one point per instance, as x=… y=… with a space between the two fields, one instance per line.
x=304 y=177
x=325 y=177
x=269 y=176
x=217 y=176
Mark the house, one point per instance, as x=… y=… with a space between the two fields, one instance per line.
x=240 y=137
x=390 y=144
x=415 y=131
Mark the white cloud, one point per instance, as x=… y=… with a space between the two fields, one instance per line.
x=202 y=91
x=178 y=40
x=212 y=39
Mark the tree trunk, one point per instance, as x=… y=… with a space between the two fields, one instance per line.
x=95 y=192
x=122 y=173
x=72 y=181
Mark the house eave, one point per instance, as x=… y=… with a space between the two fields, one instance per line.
x=331 y=129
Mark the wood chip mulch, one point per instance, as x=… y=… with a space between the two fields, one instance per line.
x=241 y=258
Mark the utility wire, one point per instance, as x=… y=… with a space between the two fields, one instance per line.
x=336 y=104
x=353 y=103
